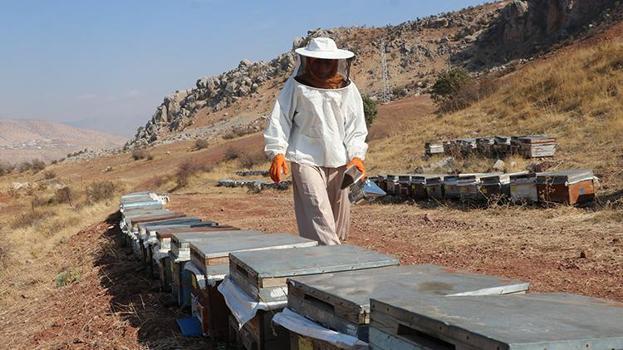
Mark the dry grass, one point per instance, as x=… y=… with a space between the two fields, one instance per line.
x=574 y=97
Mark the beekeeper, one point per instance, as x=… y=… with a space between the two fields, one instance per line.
x=318 y=125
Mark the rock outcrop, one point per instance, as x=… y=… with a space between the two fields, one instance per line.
x=482 y=38
x=527 y=27
x=217 y=92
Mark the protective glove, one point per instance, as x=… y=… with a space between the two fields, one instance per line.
x=358 y=163
x=278 y=166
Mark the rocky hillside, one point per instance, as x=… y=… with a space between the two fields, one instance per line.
x=24 y=140
x=491 y=36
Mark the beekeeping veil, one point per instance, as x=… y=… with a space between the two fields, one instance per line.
x=322 y=65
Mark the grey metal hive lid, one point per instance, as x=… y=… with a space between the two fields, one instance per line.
x=177 y=221
x=392 y=283
x=529 y=321
x=199 y=224
x=502 y=140
x=128 y=215
x=536 y=139
x=307 y=261
x=217 y=247
x=190 y=236
x=490 y=179
x=406 y=177
x=565 y=176
x=141 y=203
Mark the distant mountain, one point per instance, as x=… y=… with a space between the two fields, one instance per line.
x=22 y=140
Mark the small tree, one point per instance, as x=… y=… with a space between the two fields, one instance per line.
x=369 y=110
x=449 y=82
x=201 y=144
x=37 y=165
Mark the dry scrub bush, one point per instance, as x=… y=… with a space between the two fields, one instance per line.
x=100 y=191
x=231 y=153
x=6 y=168
x=49 y=175
x=37 y=165
x=139 y=154
x=63 y=195
x=249 y=160
x=31 y=218
x=239 y=132
x=67 y=277
x=201 y=144
x=188 y=169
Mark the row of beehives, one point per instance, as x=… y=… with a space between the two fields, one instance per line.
x=258 y=185
x=279 y=291
x=533 y=146
x=568 y=186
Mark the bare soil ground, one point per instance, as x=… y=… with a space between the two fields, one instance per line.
x=115 y=306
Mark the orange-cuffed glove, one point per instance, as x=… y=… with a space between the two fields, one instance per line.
x=278 y=166
x=358 y=163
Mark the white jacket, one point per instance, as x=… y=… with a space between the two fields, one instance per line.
x=321 y=127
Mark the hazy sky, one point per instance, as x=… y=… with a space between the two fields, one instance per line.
x=107 y=64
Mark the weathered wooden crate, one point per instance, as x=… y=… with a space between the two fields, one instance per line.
x=433 y=148
x=451 y=187
x=527 y=322
x=263 y=274
x=391 y=185
x=147 y=229
x=299 y=342
x=495 y=186
x=523 y=188
x=260 y=333
x=126 y=217
x=484 y=146
x=468 y=146
x=404 y=186
x=501 y=146
x=206 y=255
x=567 y=186
x=536 y=146
x=207 y=304
x=469 y=187
x=151 y=242
x=133 y=234
x=426 y=186
x=341 y=301
x=125 y=224
x=180 y=254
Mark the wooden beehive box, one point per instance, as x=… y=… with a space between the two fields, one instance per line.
x=526 y=322
x=263 y=274
x=341 y=301
x=164 y=246
x=495 y=186
x=216 y=250
x=180 y=254
x=537 y=146
x=523 y=188
x=567 y=186
x=207 y=304
x=209 y=257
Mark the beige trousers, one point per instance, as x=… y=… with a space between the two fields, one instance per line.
x=322 y=208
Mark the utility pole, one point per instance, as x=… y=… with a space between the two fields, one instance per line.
x=385 y=74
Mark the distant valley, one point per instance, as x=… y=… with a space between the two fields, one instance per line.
x=24 y=140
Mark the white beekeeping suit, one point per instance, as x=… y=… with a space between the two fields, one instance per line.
x=319 y=130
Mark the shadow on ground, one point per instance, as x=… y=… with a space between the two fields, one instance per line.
x=138 y=299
